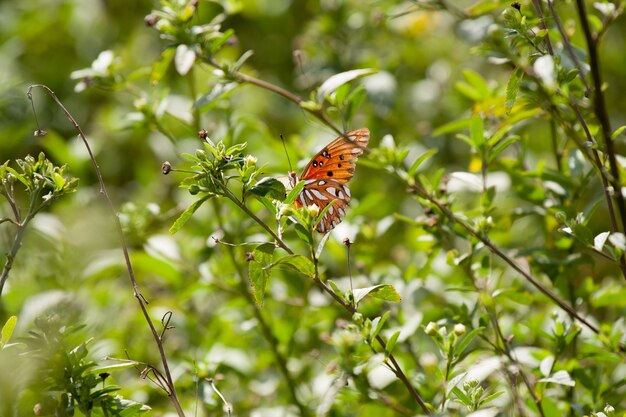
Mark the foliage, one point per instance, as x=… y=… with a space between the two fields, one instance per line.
x=479 y=270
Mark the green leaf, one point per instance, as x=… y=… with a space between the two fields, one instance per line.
x=512 y=87
x=298 y=263
x=382 y=291
x=303 y=233
x=501 y=146
x=186 y=215
x=320 y=246
x=159 y=68
x=391 y=343
x=258 y=274
x=269 y=187
x=561 y=378
x=420 y=160
x=121 y=364
x=462 y=397
x=337 y=80
x=490 y=398
x=210 y=99
x=323 y=213
x=618 y=132
x=477 y=131
x=293 y=194
x=377 y=324
x=454 y=126
x=483 y=7
x=7 y=330
x=464 y=343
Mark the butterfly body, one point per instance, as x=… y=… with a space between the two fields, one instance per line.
x=326 y=175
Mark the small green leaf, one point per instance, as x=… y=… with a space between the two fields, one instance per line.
x=159 y=68
x=600 y=240
x=462 y=397
x=501 y=146
x=186 y=215
x=618 y=132
x=258 y=274
x=209 y=99
x=377 y=324
x=382 y=291
x=420 y=160
x=512 y=87
x=320 y=246
x=293 y=194
x=7 y=330
x=303 y=233
x=269 y=187
x=391 y=343
x=323 y=213
x=454 y=126
x=561 y=378
x=337 y=80
x=298 y=263
x=122 y=364
x=477 y=131
x=490 y=398
x=464 y=343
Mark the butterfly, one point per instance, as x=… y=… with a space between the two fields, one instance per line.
x=326 y=175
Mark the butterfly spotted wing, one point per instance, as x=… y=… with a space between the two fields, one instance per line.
x=326 y=175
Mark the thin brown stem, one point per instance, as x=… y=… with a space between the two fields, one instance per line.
x=497 y=251
x=503 y=345
x=169 y=382
x=266 y=330
x=397 y=369
x=243 y=78
x=542 y=23
x=600 y=110
x=568 y=45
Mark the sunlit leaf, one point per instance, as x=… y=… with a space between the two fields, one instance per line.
x=186 y=215
x=383 y=291
x=258 y=274
x=270 y=187
x=337 y=80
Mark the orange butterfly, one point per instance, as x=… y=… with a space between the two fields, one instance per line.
x=326 y=174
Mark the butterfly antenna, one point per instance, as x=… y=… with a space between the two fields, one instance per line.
x=348 y=243
x=286 y=153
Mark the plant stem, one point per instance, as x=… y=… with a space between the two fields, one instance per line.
x=602 y=114
x=493 y=248
x=17 y=243
x=243 y=78
x=397 y=369
x=171 y=390
x=266 y=330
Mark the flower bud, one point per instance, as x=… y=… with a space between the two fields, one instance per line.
x=285 y=210
x=250 y=161
x=459 y=329
x=313 y=210
x=432 y=328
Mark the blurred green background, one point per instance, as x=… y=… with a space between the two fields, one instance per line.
x=71 y=260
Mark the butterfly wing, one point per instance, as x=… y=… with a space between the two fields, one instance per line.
x=322 y=192
x=326 y=174
x=338 y=160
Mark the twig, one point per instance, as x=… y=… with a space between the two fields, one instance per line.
x=601 y=113
x=542 y=21
x=265 y=327
x=397 y=369
x=493 y=248
x=243 y=78
x=568 y=46
x=171 y=391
